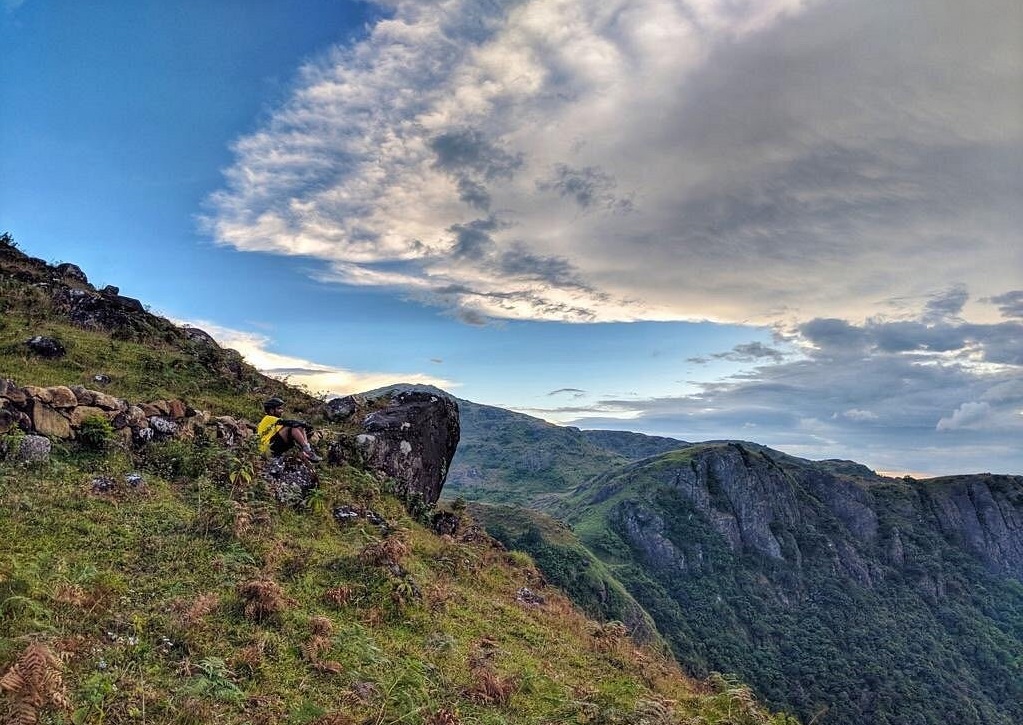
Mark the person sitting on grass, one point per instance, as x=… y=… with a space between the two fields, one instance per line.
x=278 y=435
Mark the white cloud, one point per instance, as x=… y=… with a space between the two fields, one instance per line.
x=647 y=159
x=967 y=415
x=318 y=379
x=859 y=415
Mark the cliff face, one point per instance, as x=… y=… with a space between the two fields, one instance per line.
x=759 y=500
x=984 y=515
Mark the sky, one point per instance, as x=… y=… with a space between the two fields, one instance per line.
x=796 y=222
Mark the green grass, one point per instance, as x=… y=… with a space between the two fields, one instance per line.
x=110 y=579
x=196 y=598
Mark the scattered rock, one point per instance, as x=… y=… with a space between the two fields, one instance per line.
x=8 y=420
x=35 y=393
x=102 y=484
x=527 y=596
x=446 y=523
x=345 y=514
x=61 y=397
x=34 y=449
x=83 y=412
x=83 y=395
x=101 y=379
x=47 y=347
x=163 y=426
x=349 y=514
x=48 y=422
x=134 y=480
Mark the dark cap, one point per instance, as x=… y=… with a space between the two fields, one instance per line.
x=273 y=403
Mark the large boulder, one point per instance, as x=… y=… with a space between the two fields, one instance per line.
x=410 y=438
x=48 y=422
x=73 y=272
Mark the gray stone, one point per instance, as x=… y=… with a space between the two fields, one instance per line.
x=202 y=337
x=8 y=420
x=34 y=449
x=72 y=272
x=83 y=412
x=47 y=347
x=340 y=409
x=83 y=395
x=33 y=392
x=107 y=402
x=61 y=397
x=289 y=480
x=163 y=426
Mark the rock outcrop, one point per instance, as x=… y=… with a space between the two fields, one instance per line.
x=409 y=436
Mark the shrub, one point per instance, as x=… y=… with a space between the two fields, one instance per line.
x=96 y=433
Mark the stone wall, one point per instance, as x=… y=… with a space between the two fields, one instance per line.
x=59 y=411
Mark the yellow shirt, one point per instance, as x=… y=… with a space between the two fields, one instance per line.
x=266 y=430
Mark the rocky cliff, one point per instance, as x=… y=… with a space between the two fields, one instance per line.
x=758 y=500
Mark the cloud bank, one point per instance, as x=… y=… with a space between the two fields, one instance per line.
x=651 y=159
x=314 y=377
x=897 y=394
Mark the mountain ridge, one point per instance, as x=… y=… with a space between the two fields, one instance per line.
x=755 y=561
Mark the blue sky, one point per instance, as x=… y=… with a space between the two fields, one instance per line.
x=794 y=222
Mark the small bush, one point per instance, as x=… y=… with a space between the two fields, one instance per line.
x=96 y=433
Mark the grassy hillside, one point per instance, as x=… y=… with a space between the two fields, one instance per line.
x=163 y=584
x=569 y=565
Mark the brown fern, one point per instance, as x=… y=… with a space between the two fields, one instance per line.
x=33 y=683
x=264 y=599
x=389 y=552
x=320 y=642
x=339 y=596
x=489 y=688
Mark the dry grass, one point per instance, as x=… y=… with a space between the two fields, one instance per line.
x=189 y=614
x=444 y=716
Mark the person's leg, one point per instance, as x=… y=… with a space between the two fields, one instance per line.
x=281 y=442
x=296 y=435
